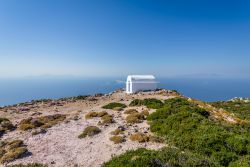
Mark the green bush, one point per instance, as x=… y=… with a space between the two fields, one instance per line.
x=171 y=157
x=137 y=102
x=242 y=162
x=150 y=103
x=114 y=105
x=187 y=126
x=239 y=109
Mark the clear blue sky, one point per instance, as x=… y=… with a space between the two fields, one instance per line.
x=119 y=37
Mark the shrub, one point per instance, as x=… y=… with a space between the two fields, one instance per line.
x=13 y=154
x=107 y=119
x=117 y=139
x=131 y=111
x=12 y=150
x=28 y=165
x=150 y=103
x=43 y=121
x=102 y=113
x=90 y=115
x=5 y=125
x=187 y=126
x=238 y=108
x=137 y=102
x=114 y=105
x=140 y=137
x=153 y=103
x=116 y=131
x=89 y=131
x=168 y=156
x=118 y=108
x=26 y=126
x=93 y=114
x=155 y=139
x=135 y=118
x=145 y=113
x=242 y=162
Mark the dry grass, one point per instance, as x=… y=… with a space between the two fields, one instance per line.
x=135 y=118
x=89 y=131
x=141 y=137
x=5 y=126
x=131 y=111
x=102 y=113
x=91 y=115
x=43 y=121
x=117 y=139
x=118 y=108
x=145 y=113
x=107 y=119
x=28 y=165
x=116 y=132
x=12 y=150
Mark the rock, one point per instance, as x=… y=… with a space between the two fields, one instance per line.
x=122 y=128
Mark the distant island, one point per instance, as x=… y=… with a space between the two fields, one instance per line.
x=159 y=128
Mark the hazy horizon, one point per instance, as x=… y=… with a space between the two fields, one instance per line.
x=116 y=38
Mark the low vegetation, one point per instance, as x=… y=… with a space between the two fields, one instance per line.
x=240 y=109
x=150 y=103
x=145 y=113
x=135 y=118
x=116 y=106
x=11 y=150
x=117 y=139
x=43 y=121
x=200 y=140
x=141 y=138
x=171 y=157
x=28 y=165
x=93 y=114
x=131 y=111
x=187 y=126
x=116 y=132
x=106 y=119
x=5 y=126
x=102 y=113
x=89 y=131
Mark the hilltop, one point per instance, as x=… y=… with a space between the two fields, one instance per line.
x=163 y=127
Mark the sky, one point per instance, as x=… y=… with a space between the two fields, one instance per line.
x=208 y=38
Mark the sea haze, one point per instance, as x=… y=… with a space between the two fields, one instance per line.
x=14 y=91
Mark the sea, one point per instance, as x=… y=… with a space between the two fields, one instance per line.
x=13 y=91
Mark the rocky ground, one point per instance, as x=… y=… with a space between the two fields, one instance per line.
x=59 y=145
